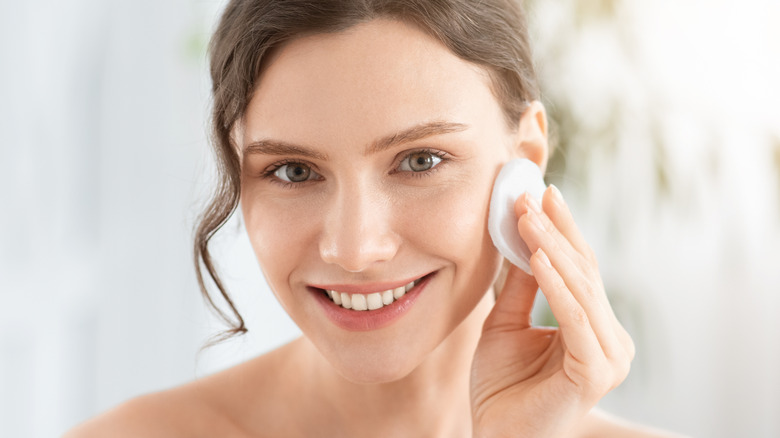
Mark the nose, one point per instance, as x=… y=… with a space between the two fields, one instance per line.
x=357 y=230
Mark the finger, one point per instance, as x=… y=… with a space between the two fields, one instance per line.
x=585 y=287
x=527 y=204
x=573 y=321
x=627 y=343
x=515 y=302
x=624 y=339
x=559 y=214
x=586 y=263
x=558 y=211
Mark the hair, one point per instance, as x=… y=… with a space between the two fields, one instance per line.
x=488 y=33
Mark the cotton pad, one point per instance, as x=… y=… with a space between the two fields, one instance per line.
x=516 y=177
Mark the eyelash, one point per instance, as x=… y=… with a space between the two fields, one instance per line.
x=268 y=173
x=441 y=155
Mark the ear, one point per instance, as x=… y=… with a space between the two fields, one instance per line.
x=531 y=137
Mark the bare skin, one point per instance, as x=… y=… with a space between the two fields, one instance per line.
x=458 y=363
x=266 y=397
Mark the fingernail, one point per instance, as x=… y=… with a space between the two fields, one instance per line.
x=556 y=193
x=533 y=204
x=543 y=257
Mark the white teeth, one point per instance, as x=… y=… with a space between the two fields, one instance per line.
x=359 y=302
x=346 y=300
x=387 y=297
x=374 y=301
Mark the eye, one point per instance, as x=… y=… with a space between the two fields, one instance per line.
x=294 y=172
x=419 y=161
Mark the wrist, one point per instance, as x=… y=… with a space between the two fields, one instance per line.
x=561 y=423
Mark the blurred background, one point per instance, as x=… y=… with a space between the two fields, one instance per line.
x=668 y=129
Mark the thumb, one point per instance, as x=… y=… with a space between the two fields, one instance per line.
x=514 y=304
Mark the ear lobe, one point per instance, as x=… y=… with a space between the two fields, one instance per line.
x=531 y=139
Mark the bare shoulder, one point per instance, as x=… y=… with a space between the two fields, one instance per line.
x=153 y=415
x=604 y=425
x=177 y=412
x=208 y=407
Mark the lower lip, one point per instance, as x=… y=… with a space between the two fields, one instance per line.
x=365 y=320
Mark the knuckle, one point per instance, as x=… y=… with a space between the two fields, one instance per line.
x=622 y=368
x=590 y=290
x=626 y=342
x=600 y=380
x=588 y=267
x=584 y=265
x=590 y=255
x=557 y=283
x=578 y=315
x=631 y=349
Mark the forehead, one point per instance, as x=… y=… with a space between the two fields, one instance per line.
x=360 y=83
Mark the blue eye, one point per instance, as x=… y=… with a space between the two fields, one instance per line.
x=419 y=162
x=295 y=173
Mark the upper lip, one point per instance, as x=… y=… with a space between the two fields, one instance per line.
x=366 y=288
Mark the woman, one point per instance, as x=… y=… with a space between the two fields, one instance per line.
x=362 y=139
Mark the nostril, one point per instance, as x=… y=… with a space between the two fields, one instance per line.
x=357 y=252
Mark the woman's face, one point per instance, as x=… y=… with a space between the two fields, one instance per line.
x=368 y=158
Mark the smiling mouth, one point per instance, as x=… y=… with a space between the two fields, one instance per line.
x=372 y=301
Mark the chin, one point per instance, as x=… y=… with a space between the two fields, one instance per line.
x=376 y=358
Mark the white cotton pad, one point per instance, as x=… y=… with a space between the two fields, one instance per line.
x=517 y=176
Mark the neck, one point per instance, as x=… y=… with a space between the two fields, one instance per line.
x=433 y=400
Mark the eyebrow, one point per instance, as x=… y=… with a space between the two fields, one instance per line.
x=414 y=133
x=417 y=132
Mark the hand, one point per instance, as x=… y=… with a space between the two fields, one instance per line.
x=540 y=381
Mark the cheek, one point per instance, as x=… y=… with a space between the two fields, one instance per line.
x=453 y=225
x=279 y=234
x=452 y=230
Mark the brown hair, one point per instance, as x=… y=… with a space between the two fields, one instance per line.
x=489 y=33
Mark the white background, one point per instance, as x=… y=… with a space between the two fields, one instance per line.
x=104 y=163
